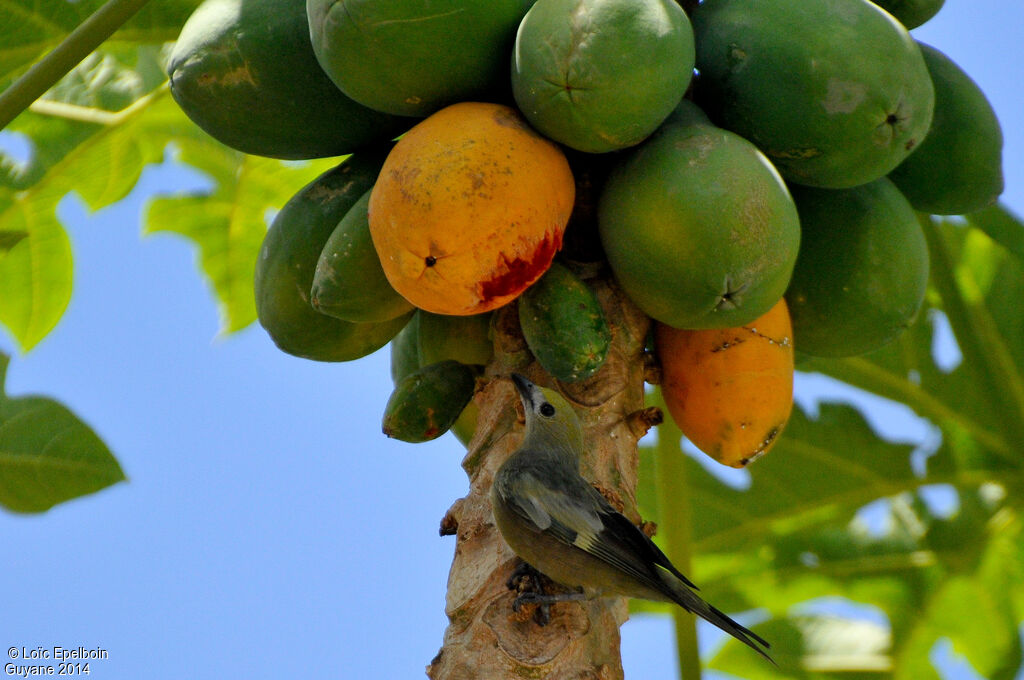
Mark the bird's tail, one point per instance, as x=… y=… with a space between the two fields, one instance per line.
x=692 y=602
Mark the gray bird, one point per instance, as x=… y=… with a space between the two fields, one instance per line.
x=563 y=527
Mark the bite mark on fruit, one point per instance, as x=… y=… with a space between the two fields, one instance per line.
x=517 y=273
x=763 y=447
x=843 y=96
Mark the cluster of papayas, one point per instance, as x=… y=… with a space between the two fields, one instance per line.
x=748 y=173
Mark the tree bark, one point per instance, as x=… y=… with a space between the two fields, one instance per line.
x=485 y=638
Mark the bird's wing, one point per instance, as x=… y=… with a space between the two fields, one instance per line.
x=577 y=514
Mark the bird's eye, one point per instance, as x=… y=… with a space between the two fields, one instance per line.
x=547 y=410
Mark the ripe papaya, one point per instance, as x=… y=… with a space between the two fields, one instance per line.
x=469 y=209
x=835 y=93
x=699 y=229
x=349 y=282
x=426 y=403
x=959 y=167
x=244 y=71
x=287 y=259
x=862 y=271
x=413 y=57
x=911 y=13
x=730 y=390
x=564 y=325
x=602 y=75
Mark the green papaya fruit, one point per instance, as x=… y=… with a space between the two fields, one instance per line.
x=911 y=13
x=959 y=167
x=699 y=228
x=405 y=348
x=413 y=57
x=245 y=72
x=426 y=403
x=687 y=113
x=466 y=339
x=287 y=259
x=835 y=93
x=349 y=282
x=862 y=271
x=564 y=325
x=601 y=75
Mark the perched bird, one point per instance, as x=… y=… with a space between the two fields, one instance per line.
x=564 y=528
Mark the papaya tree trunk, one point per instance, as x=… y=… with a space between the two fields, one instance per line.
x=485 y=638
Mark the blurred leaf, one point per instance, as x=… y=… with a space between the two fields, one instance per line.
x=9 y=239
x=31 y=28
x=1002 y=226
x=48 y=455
x=229 y=223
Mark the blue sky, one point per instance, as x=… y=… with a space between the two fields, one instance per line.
x=268 y=529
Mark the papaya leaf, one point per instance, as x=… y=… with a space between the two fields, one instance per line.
x=42 y=24
x=229 y=222
x=1002 y=226
x=9 y=239
x=35 y=274
x=47 y=454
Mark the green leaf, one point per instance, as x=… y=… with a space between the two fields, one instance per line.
x=9 y=239
x=35 y=274
x=43 y=24
x=229 y=223
x=47 y=454
x=1002 y=226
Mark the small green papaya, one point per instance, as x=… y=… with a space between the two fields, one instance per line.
x=349 y=282
x=835 y=93
x=413 y=57
x=245 y=72
x=687 y=113
x=287 y=260
x=601 y=75
x=564 y=325
x=466 y=339
x=426 y=403
x=699 y=228
x=405 y=357
x=959 y=167
x=862 y=272
x=911 y=13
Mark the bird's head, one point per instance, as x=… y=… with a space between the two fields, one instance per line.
x=550 y=420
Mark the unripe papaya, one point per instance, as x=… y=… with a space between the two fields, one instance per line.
x=470 y=209
x=835 y=93
x=730 y=390
x=466 y=339
x=564 y=325
x=959 y=167
x=413 y=57
x=699 y=229
x=601 y=75
x=245 y=72
x=405 y=357
x=349 y=282
x=862 y=272
x=287 y=260
x=911 y=13
x=426 y=403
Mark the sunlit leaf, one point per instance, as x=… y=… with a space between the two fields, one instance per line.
x=47 y=454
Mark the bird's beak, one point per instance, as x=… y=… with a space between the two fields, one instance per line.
x=525 y=388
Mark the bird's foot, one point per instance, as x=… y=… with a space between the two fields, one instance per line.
x=528 y=583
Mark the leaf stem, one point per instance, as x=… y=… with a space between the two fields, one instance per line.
x=45 y=73
x=675 y=532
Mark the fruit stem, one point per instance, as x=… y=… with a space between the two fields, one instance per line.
x=675 y=531
x=985 y=353
x=45 y=73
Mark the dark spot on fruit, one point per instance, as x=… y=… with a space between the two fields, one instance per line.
x=430 y=261
x=518 y=272
x=911 y=143
x=892 y=119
